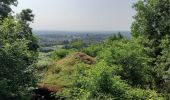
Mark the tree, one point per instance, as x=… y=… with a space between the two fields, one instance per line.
x=5 y=7
x=77 y=44
x=18 y=53
x=24 y=19
x=152 y=22
x=26 y=15
x=117 y=36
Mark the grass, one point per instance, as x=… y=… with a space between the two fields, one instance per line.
x=61 y=73
x=43 y=63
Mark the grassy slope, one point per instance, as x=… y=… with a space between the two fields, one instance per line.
x=60 y=74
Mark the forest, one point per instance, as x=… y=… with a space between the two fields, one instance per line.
x=90 y=66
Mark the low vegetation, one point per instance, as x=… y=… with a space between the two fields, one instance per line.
x=61 y=73
x=59 y=54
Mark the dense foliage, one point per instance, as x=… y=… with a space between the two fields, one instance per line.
x=152 y=22
x=130 y=69
x=59 y=54
x=117 y=75
x=118 y=68
x=5 y=8
x=18 y=53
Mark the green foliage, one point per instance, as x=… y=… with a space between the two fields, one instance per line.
x=126 y=69
x=115 y=37
x=17 y=75
x=24 y=19
x=152 y=23
x=77 y=44
x=58 y=54
x=93 y=50
x=17 y=58
x=5 y=8
x=152 y=19
x=133 y=63
x=122 y=73
x=61 y=72
x=134 y=69
x=44 y=61
x=26 y=15
x=101 y=82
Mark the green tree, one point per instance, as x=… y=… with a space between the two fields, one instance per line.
x=5 y=8
x=152 y=22
x=17 y=58
x=26 y=15
x=93 y=49
x=130 y=57
x=77 y=44
x=24 y=19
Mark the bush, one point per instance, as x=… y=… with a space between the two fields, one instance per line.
x=76 y=45
x=16 y=76
x=58 y=54
x=93 y=50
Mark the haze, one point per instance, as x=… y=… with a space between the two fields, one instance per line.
x=80 y=15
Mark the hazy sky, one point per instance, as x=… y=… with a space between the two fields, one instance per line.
x=80 y=15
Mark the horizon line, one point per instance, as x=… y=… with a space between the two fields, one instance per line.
x=85 y=30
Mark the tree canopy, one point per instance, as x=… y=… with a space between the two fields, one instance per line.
x=152 y=23
x=18 y=53
x=5 y=8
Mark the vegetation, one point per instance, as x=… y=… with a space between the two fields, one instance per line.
x=18 y=53
x=116 y=75
x=119 y=67
x=5 y=7
x=61 y=73
x=126 y=68
x=152 y=23
x=59 y=54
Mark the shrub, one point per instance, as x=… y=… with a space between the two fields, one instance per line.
x=58 y=54
x=93 y=50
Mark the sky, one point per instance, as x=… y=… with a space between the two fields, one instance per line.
x=80 y=15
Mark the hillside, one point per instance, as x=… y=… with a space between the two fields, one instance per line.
x=60 y=74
